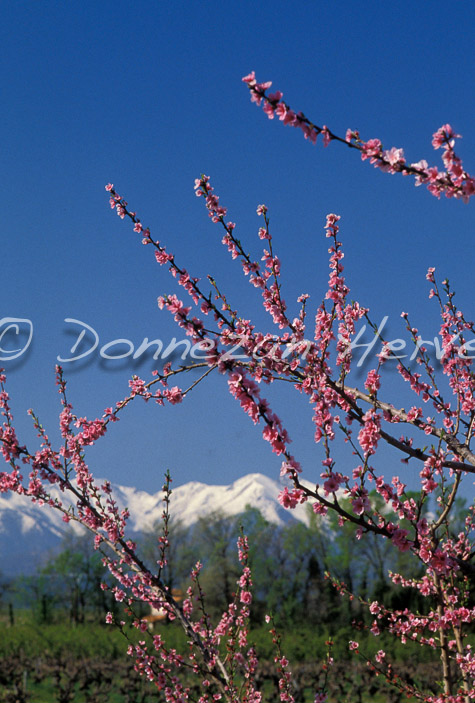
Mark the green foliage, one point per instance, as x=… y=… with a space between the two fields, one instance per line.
x=69 y=582
x=302 y=643
x=82 y=640
x=288 y=564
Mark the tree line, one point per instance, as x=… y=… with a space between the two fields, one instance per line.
x=289 y=563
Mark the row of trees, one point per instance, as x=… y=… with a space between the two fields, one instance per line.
x=290 y=565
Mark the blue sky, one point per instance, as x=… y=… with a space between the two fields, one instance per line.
x=149 y=97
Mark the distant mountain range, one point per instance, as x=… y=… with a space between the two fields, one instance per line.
x=29 y=532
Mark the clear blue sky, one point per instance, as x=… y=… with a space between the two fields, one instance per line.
x=149 y=96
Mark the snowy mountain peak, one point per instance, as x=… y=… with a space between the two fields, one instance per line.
x=28 y=530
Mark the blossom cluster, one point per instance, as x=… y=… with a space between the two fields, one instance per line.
x=454 y=182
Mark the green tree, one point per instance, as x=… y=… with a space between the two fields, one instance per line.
x=73 y=579
x=215 y=539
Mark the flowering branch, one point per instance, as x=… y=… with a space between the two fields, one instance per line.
x=455 y=182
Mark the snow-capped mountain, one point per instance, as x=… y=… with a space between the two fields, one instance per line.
x=28 y=532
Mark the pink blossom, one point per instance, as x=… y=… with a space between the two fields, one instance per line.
x=319 y=509
x=332 y=484
x=290 y=499
x=399 y=539
x=373 y=381
x=173 y=395
x=371 y=148
x=360 y=504
x=246 y=597
x=250 y=78
x=444 y=136
x=326 y=135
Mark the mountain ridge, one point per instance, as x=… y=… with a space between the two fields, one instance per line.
x=29 y=532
